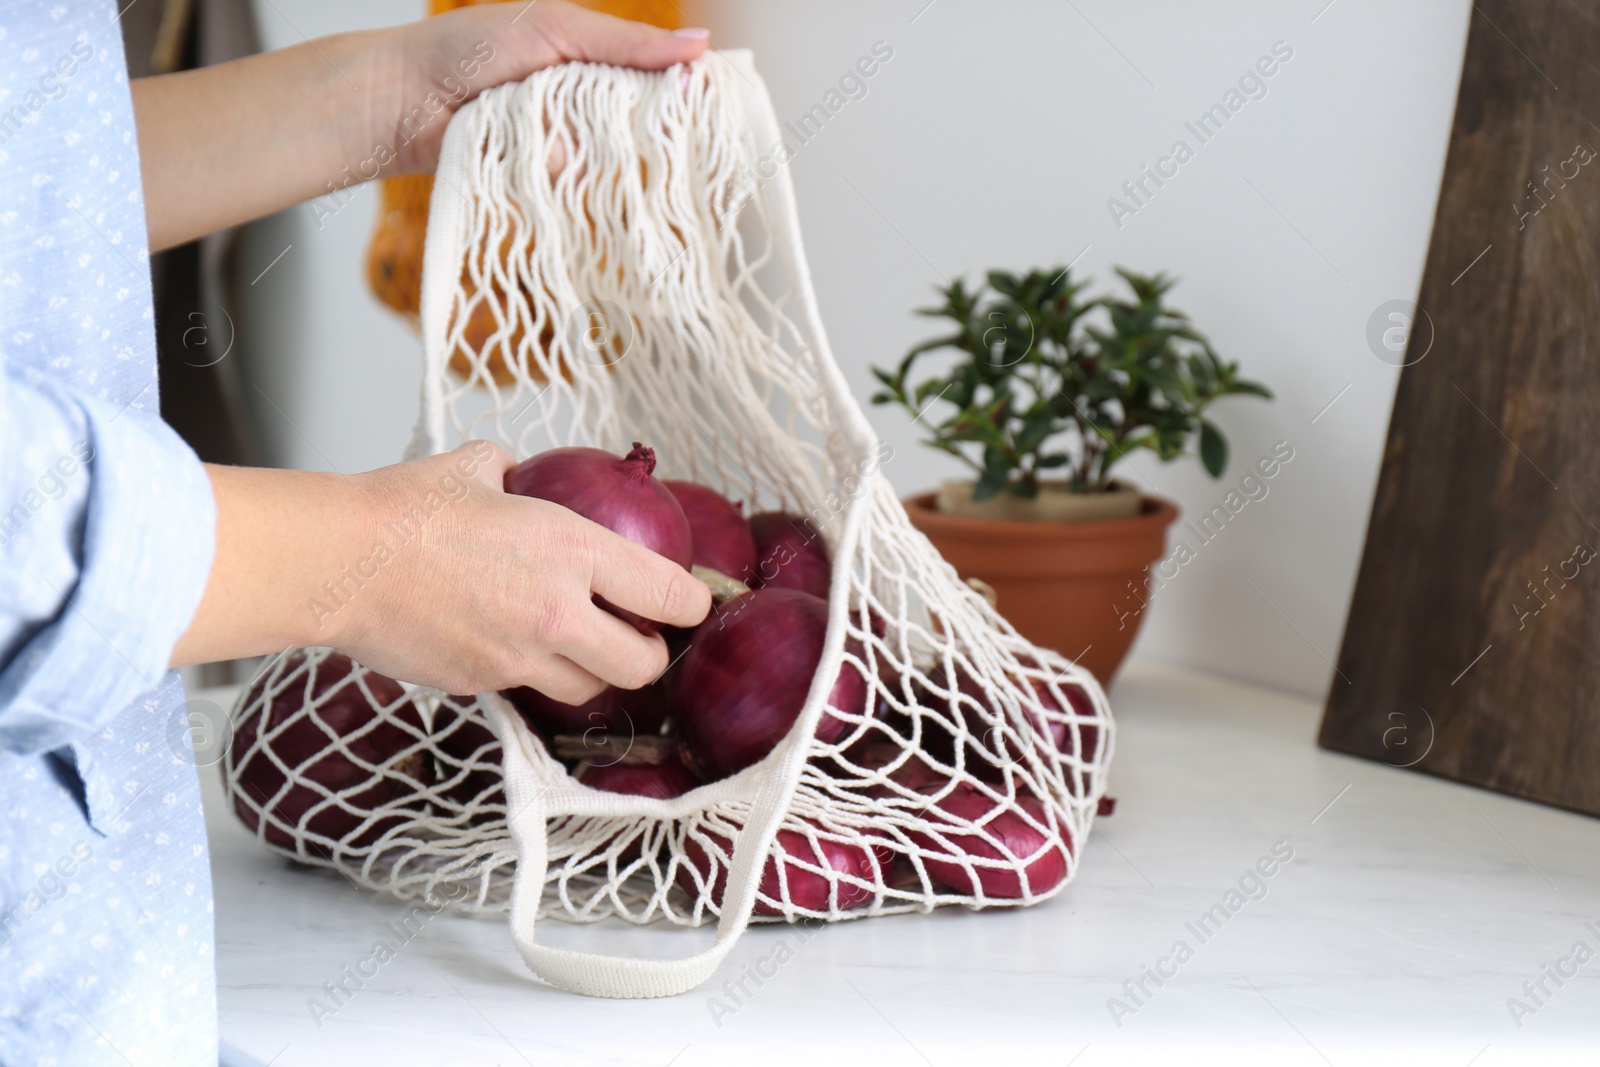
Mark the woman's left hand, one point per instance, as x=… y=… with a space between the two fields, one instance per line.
x=437 y=64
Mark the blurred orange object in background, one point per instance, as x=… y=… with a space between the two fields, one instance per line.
x=394 y=256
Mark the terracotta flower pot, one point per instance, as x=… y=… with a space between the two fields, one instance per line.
x=1063 y=585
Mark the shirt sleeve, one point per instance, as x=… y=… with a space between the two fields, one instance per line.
x=107 y=531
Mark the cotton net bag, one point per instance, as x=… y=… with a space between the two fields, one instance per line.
x=612 y=257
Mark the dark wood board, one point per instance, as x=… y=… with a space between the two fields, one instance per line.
x=1472 y=649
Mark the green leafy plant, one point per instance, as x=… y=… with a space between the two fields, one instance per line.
x=1053 y=381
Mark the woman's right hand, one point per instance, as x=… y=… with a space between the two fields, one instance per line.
x=428 y=571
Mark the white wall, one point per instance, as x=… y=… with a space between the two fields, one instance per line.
x=993 y=138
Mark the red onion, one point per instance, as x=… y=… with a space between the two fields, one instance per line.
x=721 y=536
x=939 y=740
x=619 y=494
x=613 y=713
x=645 y=767
x=1020 y=842
x=1060 y=733
x=989 y=749
x=911 y=772
x=663 y=781
x=887 y=718
x=789 y=554
x=1080 y=739
x=807 y=890
x=467 y=757
x=739 y=689
x=305 y=744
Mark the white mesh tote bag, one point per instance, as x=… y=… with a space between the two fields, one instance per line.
x=613 y=256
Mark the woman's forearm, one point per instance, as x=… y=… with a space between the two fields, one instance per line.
x=280 y=536
x=222 y=145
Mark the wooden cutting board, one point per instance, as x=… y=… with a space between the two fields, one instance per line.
x=1472 y=649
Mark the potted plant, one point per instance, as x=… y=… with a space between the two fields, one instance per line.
x=1051 y=390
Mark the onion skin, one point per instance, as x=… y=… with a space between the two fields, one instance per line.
x=720 y=535
x=1018 y=839
x=789 y=555
x=741 y=686
x=620 y=494
x=305 y=747
x=808 y=890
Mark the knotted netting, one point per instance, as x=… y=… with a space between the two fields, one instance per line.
x=613 y=257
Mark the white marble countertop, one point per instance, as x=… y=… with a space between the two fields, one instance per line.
x=1410 y=913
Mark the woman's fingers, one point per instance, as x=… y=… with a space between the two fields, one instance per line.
x=633 y=578
x=580 y=34
x=594 y=642
x=560 y=678
x=453 y=57
x=483 y=462
x=613 y=651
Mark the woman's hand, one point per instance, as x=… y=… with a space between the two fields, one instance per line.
x=429 y=572
x=436 y=65
x=424 y=570
x=225 y=144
